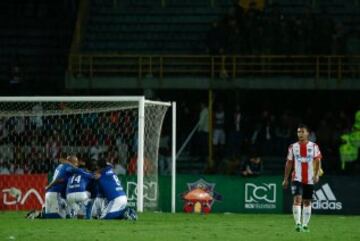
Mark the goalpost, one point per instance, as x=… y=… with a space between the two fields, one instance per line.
x=123 y=129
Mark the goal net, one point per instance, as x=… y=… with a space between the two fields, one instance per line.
x=35 y=132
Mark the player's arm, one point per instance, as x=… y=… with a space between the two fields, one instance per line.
x=54 y=182
x=82 y=172
x=316 y=164
x=288 y=167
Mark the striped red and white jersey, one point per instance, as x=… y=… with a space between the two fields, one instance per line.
x=303 y=155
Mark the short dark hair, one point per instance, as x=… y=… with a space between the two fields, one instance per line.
x=304 y=127
x=101 y=163
x=90 y=164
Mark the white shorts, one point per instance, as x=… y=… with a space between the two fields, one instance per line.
x=108 y=210
x=77 y=202
x=77 y=197
x=55 y=204
x=219 y=137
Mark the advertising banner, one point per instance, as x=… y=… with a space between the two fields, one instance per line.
x=333 y=195
x=22 y=192
x=263 y=194
x=210 y=193
x=235 y=194
x=151 y=191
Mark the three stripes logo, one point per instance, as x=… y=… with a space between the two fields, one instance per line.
x=324 y=199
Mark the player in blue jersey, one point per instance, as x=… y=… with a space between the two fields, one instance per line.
x=111 y=202
x=77 y=194
x=92 y=188
x=55 y=197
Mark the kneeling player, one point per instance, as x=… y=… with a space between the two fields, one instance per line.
x=55 y=198
x=77 y=195
x=111 y=202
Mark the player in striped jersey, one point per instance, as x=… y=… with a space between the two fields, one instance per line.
x=304 y=159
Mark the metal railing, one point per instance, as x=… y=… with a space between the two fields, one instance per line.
x=164 y=66
x=163 y=3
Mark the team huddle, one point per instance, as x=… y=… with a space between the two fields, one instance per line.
x=89 y=190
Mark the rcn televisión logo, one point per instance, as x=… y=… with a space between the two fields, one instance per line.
x=150 y=192
x=260 y=196
x=324 y=199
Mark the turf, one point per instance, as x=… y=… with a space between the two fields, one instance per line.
x=187 y=227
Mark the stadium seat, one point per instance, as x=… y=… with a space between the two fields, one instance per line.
x=37 y=43
x=175 y=28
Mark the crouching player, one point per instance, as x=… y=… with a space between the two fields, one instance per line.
x=111 y=202
x=55 y=197
x=77 y=194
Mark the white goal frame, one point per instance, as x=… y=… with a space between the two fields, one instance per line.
x=141 y=122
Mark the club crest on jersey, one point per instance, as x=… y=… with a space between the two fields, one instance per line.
x=200 y=197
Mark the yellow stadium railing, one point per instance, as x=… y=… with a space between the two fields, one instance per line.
x=163 y=66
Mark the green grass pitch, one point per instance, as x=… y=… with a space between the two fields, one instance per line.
x=184 y=227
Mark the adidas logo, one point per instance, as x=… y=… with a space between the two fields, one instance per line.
x=324 y=199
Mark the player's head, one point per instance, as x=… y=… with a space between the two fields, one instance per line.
x=91 y=164
x=82 y=164
x=73 y=160
x=303 y=132
x=101 y=163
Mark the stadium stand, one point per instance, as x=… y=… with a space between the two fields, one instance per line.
x=35 y=36
x=182 y=26
x=145 y=27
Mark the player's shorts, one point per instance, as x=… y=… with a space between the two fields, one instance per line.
x=97 y=207
x=304 y=190
x=55 y=205
x=77 y=197
x=77 y=202
x=114 y=209
x=219 y=137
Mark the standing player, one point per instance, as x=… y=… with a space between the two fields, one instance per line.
x=304 y=157
x=111 y=202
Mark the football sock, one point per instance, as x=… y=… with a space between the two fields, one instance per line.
x=306 y=215
x=297 y=214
